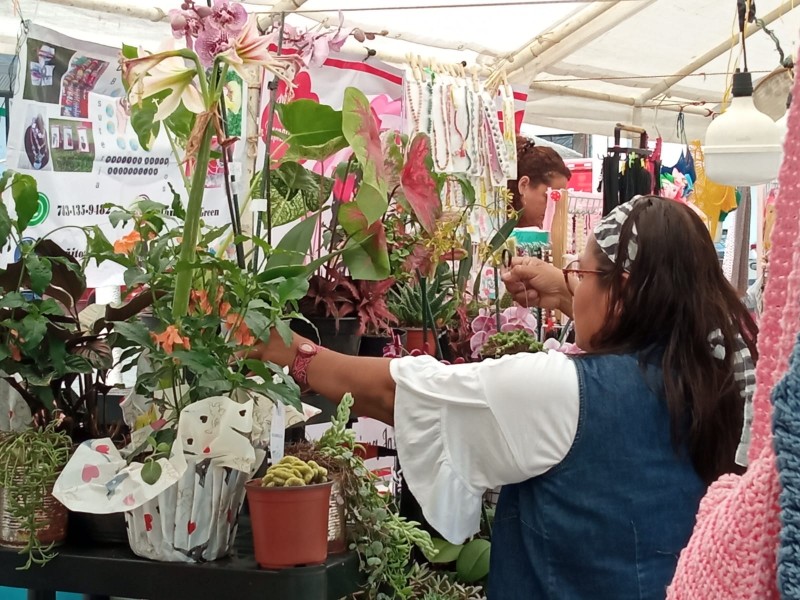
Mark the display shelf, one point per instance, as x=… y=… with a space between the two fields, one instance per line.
x=102 y=571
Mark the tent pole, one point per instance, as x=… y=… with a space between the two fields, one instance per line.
x=545 y=41
x=718 y=50
x=277 y=12
x=540 y=59
x=109 y=6
x=562 y=90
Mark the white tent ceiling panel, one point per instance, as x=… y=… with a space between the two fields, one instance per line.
x=601 y=61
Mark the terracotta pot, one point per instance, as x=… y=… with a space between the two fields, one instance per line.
x=53 y=515
x=415 y=341
x=290 y=524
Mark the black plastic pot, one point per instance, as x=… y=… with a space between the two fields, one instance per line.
x=373 y=345
x=341 y=336
x=98 y=529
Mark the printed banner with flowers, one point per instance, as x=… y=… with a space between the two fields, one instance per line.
x=74 y=134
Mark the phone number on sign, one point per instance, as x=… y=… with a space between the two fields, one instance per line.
x=80 y=210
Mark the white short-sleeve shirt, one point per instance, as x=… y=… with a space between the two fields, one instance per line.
x=463 y=429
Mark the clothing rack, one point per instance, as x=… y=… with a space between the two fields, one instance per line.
x=641 y=150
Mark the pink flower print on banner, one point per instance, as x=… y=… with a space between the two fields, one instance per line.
x=102 y=449
x=302 y=90
x=387 y=111
x=129 y=500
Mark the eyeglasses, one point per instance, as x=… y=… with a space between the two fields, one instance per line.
x=573 y=275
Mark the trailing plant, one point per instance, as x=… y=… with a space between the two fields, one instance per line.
x=47 y=352
x=384 y=540
x=506 y=343
x=430 y=585
x=30 y=462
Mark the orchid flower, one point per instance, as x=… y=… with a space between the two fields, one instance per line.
x=251 y=48
x=152 y=74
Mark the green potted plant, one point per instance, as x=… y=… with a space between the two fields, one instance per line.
x=289 y=512
x=49 y=354
x=33 y=520
x=383 y=539
x=199 y=406
x=423 y=307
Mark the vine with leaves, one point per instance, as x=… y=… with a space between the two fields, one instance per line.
x=30 y=462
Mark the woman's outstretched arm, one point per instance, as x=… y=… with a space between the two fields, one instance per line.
x=333 y=375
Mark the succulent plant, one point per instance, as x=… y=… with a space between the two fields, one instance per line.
x=293 y=472
x=510 y=342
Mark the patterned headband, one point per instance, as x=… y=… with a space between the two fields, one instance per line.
x=607 y=233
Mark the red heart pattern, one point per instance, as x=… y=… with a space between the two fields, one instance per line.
x=207 y=450
x=89 y=473
x=191 y=527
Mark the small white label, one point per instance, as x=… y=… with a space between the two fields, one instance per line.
x=236 y=170
x=277 y=434
x=258 y=205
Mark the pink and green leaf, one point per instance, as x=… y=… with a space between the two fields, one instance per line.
x=360 y=128
x=366 y=256
x=419 y=185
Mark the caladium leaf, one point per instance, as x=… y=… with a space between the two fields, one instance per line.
x=419 y=185
x=366 y=256
x=360 y=128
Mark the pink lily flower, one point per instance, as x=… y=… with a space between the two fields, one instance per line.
x=251 y=48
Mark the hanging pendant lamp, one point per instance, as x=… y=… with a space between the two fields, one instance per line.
x=743 y=146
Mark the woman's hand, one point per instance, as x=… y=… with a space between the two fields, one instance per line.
x=533 y=282
x=275 y=350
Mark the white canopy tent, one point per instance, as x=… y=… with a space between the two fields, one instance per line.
x=590 y=64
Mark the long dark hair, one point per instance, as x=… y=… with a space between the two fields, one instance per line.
x=674 y=297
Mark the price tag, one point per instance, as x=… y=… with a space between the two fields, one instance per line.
x=277 y=434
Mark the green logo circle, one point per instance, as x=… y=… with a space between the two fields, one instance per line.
x=42 y=211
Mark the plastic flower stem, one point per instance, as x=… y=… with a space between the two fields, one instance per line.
x=230 y=193
x=183 y=281
x=266 y=183
x=427 y=317
x=176 y=153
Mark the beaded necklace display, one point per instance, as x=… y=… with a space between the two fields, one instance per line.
x=461 y=152
x=509 y=130
x=494 y=144
x=414 y=110
x=440 y=128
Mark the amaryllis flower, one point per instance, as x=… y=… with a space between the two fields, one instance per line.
x=230 y=17
x=151 y=74
x=251 y=48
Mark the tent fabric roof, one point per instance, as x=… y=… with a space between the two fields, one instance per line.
x=590 y=64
